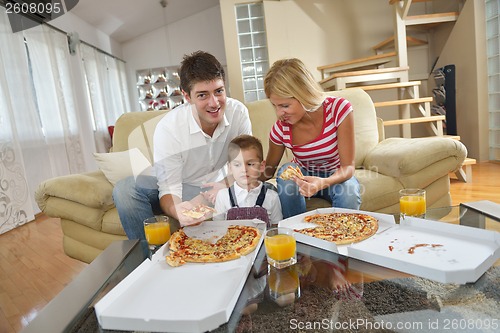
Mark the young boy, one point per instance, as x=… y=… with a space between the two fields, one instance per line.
x=246 y=164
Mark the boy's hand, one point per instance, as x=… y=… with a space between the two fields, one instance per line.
x=212 y=189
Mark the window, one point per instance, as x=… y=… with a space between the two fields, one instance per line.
x=253 y=49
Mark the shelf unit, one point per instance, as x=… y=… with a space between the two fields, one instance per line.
x=252 y=43
x=159 y=88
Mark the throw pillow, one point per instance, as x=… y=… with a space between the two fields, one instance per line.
x=122 y=164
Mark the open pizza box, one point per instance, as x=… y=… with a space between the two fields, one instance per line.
x=195 y=297
x=443 y=252
x=297 y=222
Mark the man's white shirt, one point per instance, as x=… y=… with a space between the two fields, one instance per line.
x=184 y=154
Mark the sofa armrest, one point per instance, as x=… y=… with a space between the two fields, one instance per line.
x=402 y=157
x=90 y=189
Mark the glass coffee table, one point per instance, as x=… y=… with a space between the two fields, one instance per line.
x=323 y=292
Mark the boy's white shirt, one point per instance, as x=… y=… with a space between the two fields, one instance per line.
x=245 y=198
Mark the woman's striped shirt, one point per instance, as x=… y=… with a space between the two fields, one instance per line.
x=321 y=154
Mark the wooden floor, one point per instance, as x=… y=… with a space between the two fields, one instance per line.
x=34 y=268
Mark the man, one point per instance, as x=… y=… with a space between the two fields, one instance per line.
x=190 y=149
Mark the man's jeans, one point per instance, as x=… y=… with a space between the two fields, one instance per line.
x=137 y=200
x=343 y=195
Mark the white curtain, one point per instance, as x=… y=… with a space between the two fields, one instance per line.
x=16 y=207
x=107 y=87
x=39 y=137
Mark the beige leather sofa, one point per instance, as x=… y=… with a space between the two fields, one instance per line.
x=90 y=221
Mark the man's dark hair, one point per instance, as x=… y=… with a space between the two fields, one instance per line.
x=197 y=67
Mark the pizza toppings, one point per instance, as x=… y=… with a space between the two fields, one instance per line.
x=198 y=211
x=411 y=250
x=291 y=172
x=238 y=241
x=341 y=228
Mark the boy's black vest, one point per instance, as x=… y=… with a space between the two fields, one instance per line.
x=248 y=213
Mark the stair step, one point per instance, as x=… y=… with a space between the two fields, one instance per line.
x=370 y=72
x=403 y=102
x=469 y=161
x=430 y=20
x=362 y=76
x=390 y=85
x=375 y=60
x=391 y=2
x=453 y=137
x=389 y=43
x=413 y=120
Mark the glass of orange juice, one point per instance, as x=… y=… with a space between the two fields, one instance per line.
x=281 y=248
x=157 y=230
x=412 y=202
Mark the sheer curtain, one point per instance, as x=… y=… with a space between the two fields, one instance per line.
x=107 y=87
x=39 y=137
x=16 y=207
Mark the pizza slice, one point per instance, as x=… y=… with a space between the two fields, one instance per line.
x=291 y=172
x=198 y=211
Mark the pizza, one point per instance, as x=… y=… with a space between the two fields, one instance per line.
x=198 y=211
x=239 y=240
x=291 y=172
x=341 y=228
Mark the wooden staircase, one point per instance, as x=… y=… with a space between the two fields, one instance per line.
x=369 y=73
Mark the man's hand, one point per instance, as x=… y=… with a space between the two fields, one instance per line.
x=213 y=188
x=187 y=220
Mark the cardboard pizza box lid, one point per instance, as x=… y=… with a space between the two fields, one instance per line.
x=190 y=298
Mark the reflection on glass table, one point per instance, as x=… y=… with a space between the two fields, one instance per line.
x=324 y=292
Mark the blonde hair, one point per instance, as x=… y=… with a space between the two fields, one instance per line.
x=289 y=78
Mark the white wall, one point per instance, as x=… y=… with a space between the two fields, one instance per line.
x=88 y=33
x=166 y=46
x=466 y=49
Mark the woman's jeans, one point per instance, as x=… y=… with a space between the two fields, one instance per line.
x=137 y=200
x=343 y=195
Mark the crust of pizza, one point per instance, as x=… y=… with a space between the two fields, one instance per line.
x=291 y=172
x=238 y=241
x=341 y=228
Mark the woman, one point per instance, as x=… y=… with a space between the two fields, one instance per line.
x=319 y=130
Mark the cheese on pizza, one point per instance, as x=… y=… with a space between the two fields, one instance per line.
x=238 y=241
x=341 y=228
x=291 y=172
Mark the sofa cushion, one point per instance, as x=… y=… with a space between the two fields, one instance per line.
x=122 y=164
x=136 y=129
x=377 y=190
x=89 y=189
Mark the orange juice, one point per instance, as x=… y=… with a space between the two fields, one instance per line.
x=280 y=247
x=157 y=233
x=412 y=205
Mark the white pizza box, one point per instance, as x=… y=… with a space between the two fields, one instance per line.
x=297 y=222
x=195 y=297
x=443 y=252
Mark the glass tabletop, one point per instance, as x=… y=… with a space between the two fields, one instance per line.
x=327 y=292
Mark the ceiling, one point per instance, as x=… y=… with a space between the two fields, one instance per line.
x=123 y=20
